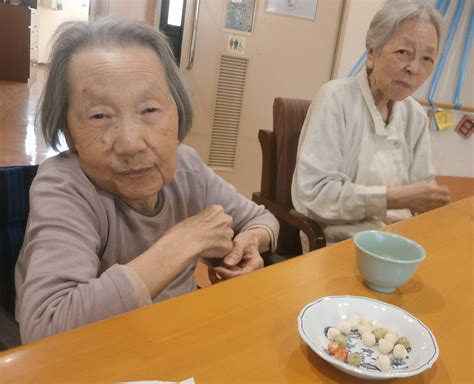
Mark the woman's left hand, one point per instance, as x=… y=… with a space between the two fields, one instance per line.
x=243 y=258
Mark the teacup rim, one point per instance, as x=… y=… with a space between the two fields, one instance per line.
x=397 y=261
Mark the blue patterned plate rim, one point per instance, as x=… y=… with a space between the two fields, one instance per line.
x=355 y=370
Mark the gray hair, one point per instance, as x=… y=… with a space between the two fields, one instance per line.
x=76 y=35
x=393 y=13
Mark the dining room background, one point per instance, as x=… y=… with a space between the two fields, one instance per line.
x=237 y=56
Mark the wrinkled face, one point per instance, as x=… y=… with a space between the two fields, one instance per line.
x=405 y=61
x=123 y=121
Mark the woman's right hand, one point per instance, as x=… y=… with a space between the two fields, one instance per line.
x=209 y=232
x=418 y=197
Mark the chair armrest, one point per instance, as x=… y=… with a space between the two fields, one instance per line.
x=268 y=146
x=311 y=228
x=296 y=219
x=270 y=258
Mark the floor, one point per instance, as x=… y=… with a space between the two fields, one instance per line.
x=20 y=143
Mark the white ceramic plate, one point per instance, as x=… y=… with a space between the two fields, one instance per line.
x=329 y=311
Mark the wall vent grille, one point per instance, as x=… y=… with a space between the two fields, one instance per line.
x=225 y=125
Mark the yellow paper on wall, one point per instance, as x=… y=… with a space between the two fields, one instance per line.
x=444 y=119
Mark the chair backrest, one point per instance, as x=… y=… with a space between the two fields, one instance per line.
x=14 y=208
x=288 y=119
x=279 y=149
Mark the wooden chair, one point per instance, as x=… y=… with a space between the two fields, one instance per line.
x=14 y=208
x=279 y=150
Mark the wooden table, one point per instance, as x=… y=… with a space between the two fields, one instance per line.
x=245 y=330
x=459 y=187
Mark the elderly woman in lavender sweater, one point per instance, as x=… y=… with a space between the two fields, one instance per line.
x=119 y=221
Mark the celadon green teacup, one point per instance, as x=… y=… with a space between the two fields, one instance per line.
x=386 y=260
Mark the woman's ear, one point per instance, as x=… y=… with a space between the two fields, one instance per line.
x=370 y=58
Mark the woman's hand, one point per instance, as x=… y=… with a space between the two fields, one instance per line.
x=418 y=197
x=244 y=256
x=209 y=234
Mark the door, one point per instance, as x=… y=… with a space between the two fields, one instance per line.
x=285 y=57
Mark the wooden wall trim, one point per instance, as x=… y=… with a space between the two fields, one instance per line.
x=150 y=12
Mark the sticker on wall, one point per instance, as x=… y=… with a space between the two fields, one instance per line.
x=444 y=119
x=236 y=44
x=465 y=126
x=297 y=8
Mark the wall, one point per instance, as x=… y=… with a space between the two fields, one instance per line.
x=356 y=20
x=50 y=19
x=135 y=9
x=288 y=57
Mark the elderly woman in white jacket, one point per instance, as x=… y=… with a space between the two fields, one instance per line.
x=364 y=157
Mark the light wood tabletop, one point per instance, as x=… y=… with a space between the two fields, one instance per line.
x=245 y=330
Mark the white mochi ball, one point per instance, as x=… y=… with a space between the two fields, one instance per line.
x=333 y=332
x=366 y=321
x=354 y=320
x=368 y=339
x=364 y=328
x=399 y=352
x=391 y=337
x=383 y=363
x=385 y=346
x=344 y=326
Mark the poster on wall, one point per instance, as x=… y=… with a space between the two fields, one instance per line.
x=297 y=8
x=240 y=16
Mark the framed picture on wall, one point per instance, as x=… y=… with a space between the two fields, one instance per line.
x=239 y=16
x=297 y=8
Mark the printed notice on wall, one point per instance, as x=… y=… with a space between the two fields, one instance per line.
x=297 y=8
x=239 y=16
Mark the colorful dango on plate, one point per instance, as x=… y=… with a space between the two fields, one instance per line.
x=367 y=338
